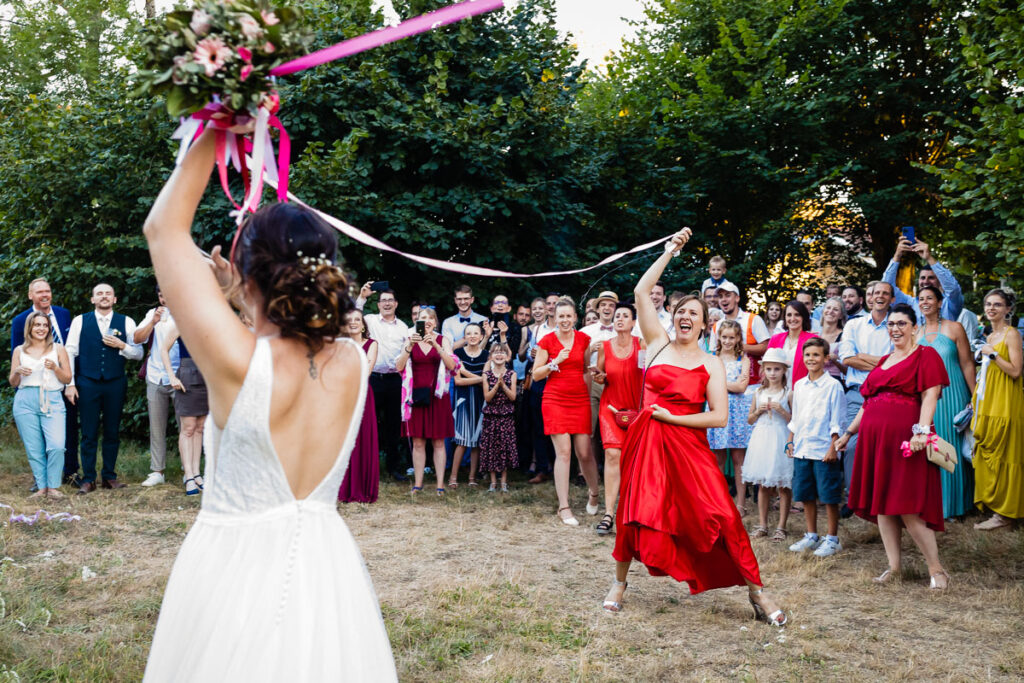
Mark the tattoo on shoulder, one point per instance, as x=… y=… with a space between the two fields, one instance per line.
x=312 y=365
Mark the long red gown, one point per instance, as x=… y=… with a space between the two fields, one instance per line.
x=675 y=513
x=884 y=482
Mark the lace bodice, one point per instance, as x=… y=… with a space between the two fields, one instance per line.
x=243 y=473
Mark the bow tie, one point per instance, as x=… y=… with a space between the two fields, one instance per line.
x=606 y=328
x=464 y=320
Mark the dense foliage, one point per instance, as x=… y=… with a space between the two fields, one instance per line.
x=794 y=136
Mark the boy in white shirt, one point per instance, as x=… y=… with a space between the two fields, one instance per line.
x=819 y=405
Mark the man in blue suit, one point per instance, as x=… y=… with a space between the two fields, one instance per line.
x=60 y=321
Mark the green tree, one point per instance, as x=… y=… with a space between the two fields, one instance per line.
x=984 y=179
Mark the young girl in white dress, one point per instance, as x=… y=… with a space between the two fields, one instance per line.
x=269 y=584
x=766 y=463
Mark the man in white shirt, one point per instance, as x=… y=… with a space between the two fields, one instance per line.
x=754 y=329
x=599 y=332
x=863 y=343
x=454 y=328
x=159 y=392
x=664 y=317
x=391 y=334
x=98 y=345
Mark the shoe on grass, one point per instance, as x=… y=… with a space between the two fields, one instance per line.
x=808 y=542
x=828 y=548
x=154 y=478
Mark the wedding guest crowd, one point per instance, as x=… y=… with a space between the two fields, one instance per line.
x=526 y=385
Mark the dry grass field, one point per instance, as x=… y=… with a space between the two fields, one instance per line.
x=480 y=587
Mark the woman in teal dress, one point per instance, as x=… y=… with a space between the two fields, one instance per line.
x=949 y=339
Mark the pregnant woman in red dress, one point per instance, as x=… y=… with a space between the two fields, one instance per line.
x=675 y=513
x=566 y=405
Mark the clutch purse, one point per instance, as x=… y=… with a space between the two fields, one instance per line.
x=938 y=451
x=942 y=453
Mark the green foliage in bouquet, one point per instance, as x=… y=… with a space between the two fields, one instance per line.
x=218 y=47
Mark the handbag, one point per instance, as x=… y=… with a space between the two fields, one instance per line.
x=942 y=453
x=624 y=418
x=421 y=396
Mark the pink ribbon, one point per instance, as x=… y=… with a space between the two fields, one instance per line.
x=46 y=516
x=933 y=439
x=368 y=41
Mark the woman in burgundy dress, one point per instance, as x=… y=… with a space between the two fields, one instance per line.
x=561 y=359
x=675 y=513
x=892 y=486
x=363 y=474
x=426 y=408
x=618 y=369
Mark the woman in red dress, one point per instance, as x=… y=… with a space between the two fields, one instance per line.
x=675 y=513
x=566 y=405
x=890 y=487
x=618 y=368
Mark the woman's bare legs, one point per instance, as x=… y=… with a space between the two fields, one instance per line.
x=737 y=455
x=889 y=528
x=439 y=457
x=588 y=465
x=453 y=478
x=925 y=540
x=563 y=452
x=612 y=476
x=419 y=461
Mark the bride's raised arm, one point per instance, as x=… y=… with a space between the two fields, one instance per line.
x=218 y=341
x=650 y=327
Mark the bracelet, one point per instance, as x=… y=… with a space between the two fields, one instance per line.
x=849 y=433
x=553 y=367
x=790 y=443
x=921 y=429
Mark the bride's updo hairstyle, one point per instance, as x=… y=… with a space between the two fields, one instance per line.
x=289 y=253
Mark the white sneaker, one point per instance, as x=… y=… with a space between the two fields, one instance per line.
x=154 y=478
x=808 y=542
x=828 y=548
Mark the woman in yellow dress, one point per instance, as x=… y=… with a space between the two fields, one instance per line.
x=999 y=418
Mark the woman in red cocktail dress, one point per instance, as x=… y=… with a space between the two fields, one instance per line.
x=675 y=513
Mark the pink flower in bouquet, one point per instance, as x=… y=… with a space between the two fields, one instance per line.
x=269 y=18
x=212 y=53
x=268 y=47
x=272 y=102
x=200 y=23
x=250 y=27
x=246 y=55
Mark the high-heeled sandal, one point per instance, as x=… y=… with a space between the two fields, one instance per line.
x=604 y=527
x=416 y=489
x=933 y=584
x=592 y=509
x=452 y=484
x=611 y=605
x=193 y=492
x=571 y=520
x=199 y=481
x=888 y=576
x=776 y=618
x=759 y=532
x=440 y=492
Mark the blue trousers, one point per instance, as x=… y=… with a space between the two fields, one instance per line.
x=42 y=433
x=854 y=401
x=96 y=398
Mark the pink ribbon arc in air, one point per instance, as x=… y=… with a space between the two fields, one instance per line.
x=465 y=268
x=368 y=41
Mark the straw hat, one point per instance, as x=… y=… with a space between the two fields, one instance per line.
x=608 y=296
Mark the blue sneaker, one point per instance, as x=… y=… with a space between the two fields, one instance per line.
x=808 y=542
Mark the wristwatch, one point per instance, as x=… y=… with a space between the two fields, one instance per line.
x=921 y=429
x=993 y=356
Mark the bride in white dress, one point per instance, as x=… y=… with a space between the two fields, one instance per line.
x=269 y=584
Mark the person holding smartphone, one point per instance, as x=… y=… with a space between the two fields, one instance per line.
x=932 y=274
x=426 y=408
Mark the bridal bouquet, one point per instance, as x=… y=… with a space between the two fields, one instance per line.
x=219 y=51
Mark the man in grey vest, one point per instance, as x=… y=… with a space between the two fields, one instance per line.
x=98 y=344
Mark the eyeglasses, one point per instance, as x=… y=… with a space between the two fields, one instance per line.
x=422 y=306
x=894 y=324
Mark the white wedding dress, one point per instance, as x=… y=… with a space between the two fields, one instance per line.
x=267 y=587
